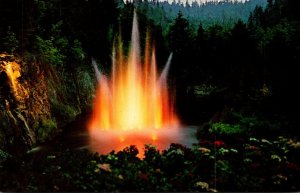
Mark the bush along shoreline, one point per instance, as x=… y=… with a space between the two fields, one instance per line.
x=257 y=164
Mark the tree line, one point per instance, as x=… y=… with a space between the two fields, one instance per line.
x=225 y=13
x=260 y=52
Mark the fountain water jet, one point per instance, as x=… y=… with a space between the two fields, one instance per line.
x=133 y=107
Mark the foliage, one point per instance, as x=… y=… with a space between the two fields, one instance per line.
x=208 y=13
x=85 y=86
x=47 y=52
x=230 y=125
x=63 y=112
x=46 y=129
x=257 y=165
x=77 y=51
x=227 y=53
x=3 y=156
x=9 y=42
x=226 y=129
x=204 y=90
x=179 y=35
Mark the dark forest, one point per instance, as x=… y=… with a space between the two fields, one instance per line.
x=233 y=75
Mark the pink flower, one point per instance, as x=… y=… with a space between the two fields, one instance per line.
x=105 y=167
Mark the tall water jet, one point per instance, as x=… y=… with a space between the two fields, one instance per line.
x=134 y=101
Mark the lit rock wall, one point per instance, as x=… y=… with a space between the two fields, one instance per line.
x=37 y=100
x=23 y=102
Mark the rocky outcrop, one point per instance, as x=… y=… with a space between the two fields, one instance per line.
x=36 y=99
x=23 y=103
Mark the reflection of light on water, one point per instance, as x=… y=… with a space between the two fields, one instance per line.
x=106 y=141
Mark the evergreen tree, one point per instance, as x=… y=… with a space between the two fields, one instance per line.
x=179 y=35
x=9 y=42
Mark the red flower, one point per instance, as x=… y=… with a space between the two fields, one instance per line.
x=143 y=176
x=292 y=166
x=254 y=165
x=219 y=143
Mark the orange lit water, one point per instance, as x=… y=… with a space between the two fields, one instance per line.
x=105 y=142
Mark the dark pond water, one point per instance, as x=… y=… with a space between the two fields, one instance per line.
x=76 y=136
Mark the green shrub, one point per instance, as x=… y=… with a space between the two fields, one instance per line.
x=48 y=53
x=77 y=51
x=63 y=112
x=4 y=156
x=9 y=41
x=204 y=90
x=227 y=129
x=85 y=86
x=46 y=129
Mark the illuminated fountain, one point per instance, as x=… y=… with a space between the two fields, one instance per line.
x=133 y=106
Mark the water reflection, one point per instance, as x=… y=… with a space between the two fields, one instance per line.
x=76 y=136
x=106 y=141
